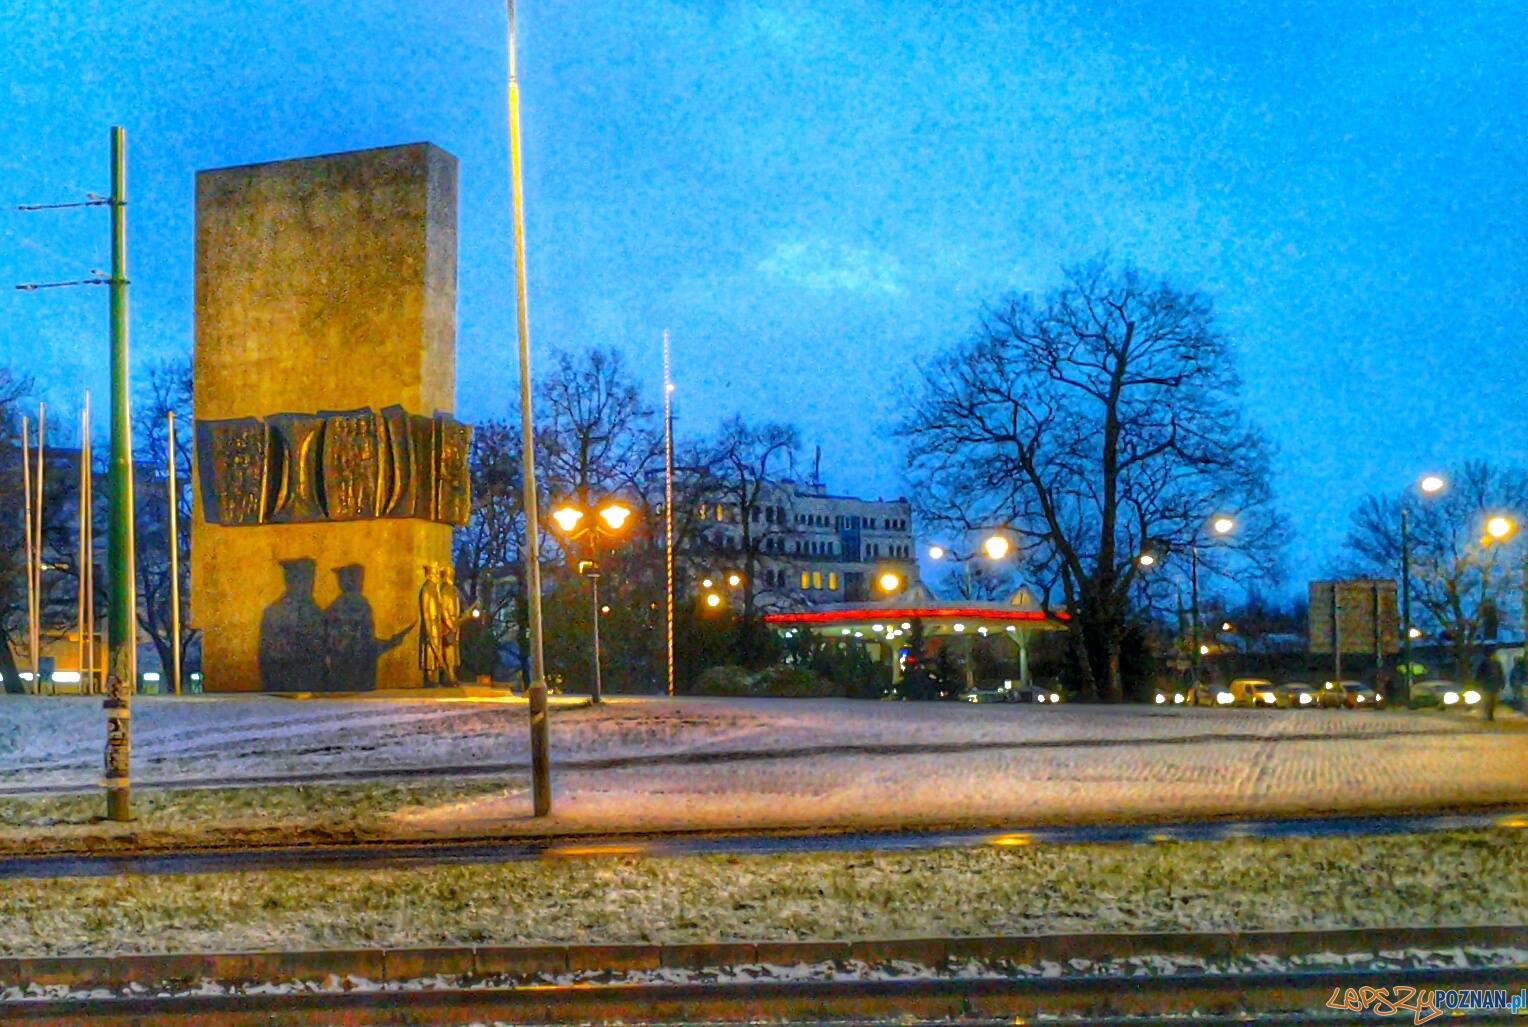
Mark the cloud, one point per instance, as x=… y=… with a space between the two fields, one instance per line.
x=823 y=266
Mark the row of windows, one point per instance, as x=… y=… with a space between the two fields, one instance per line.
x=874 y=549
x=813 y=580
x=779 y=515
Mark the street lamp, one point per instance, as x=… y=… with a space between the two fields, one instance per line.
x=1429 y=485
x=890 y=582
x=1220 y=525
x=994 y=547
x=577 y=524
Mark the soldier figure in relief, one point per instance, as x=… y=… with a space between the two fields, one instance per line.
x=450 y=625
x=430 y=648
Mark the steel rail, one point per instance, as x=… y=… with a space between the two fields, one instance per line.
x=1285 y=997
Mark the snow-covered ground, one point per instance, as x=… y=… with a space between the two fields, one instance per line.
x=1453 y=878
x=638 y=764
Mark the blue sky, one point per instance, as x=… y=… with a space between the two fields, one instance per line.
x=817 y=199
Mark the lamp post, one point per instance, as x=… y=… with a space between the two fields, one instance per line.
x=576 y=523
x=994 y=547
x=1429 y=485
x=1219 y=526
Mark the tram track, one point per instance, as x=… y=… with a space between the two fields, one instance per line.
x=1284 y=977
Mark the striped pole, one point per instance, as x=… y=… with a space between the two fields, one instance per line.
x=668 y=504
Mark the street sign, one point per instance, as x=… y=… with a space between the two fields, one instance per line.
x=1355 y=616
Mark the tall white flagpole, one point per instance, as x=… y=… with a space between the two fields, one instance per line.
x=31 y=552
x=541 y=770
x=668 y=504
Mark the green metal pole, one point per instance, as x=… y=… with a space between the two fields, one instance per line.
x=1194 y=654
x=121 y=661
x=1405 y=608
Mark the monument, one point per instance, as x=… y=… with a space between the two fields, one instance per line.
x=329 y=467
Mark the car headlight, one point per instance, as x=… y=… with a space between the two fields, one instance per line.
x=1178 y=698
x=1450 y=698
x=1055 y=697
x=1358 y=698
x=1266 y=697
x=1040 y=698
x=970 y=698
x=1472 y=697
x=1224 y=698
x=1161 y=698
x=1304 y=698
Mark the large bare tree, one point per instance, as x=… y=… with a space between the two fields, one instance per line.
x=168 y=388
x=1460 y=578
x=743 y=462
x=1094 y=423
x=595 y=435
x=13 y=581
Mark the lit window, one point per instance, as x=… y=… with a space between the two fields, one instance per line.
x=817 y=579
x=832 y=578
x=806 y=579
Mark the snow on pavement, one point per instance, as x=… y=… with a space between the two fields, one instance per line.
x=638 y=764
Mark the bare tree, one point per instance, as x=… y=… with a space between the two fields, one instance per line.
x=1460 y=577
x=743 y=462
x=168 y=388
x=13 y=582
x=488 y=550
x=1093 y=424
x=596 y=436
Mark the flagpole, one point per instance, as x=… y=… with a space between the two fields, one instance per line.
x=87 y=504
x=42 y=421
x=668 y=504
x=31 y=556
x=79 y=656
x=174 y=558
x=541 y=780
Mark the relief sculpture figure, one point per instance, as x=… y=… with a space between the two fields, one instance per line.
x=431 y=656
x=352 y=649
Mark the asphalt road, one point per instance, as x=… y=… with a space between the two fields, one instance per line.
x=463 y=852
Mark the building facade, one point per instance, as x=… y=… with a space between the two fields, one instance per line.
x=811 y=547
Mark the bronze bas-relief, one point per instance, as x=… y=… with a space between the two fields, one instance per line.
x=334 y=466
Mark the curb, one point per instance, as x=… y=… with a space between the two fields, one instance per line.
x=398 y=965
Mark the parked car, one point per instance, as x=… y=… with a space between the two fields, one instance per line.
x=1332 y=695
x=1209 y=693
x=981 y=695
x=1296 y=695
x=1359 y=696
x=1445 y=694
x=1254 y=692
x=1037 y=692
x=1172 y=695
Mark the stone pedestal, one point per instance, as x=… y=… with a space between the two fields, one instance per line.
x=325 y=294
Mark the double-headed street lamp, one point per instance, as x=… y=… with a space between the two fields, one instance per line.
x=575 y=523
x=1219 y=526
x=1429 y=485
x=711 y=595
x=995 y=548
